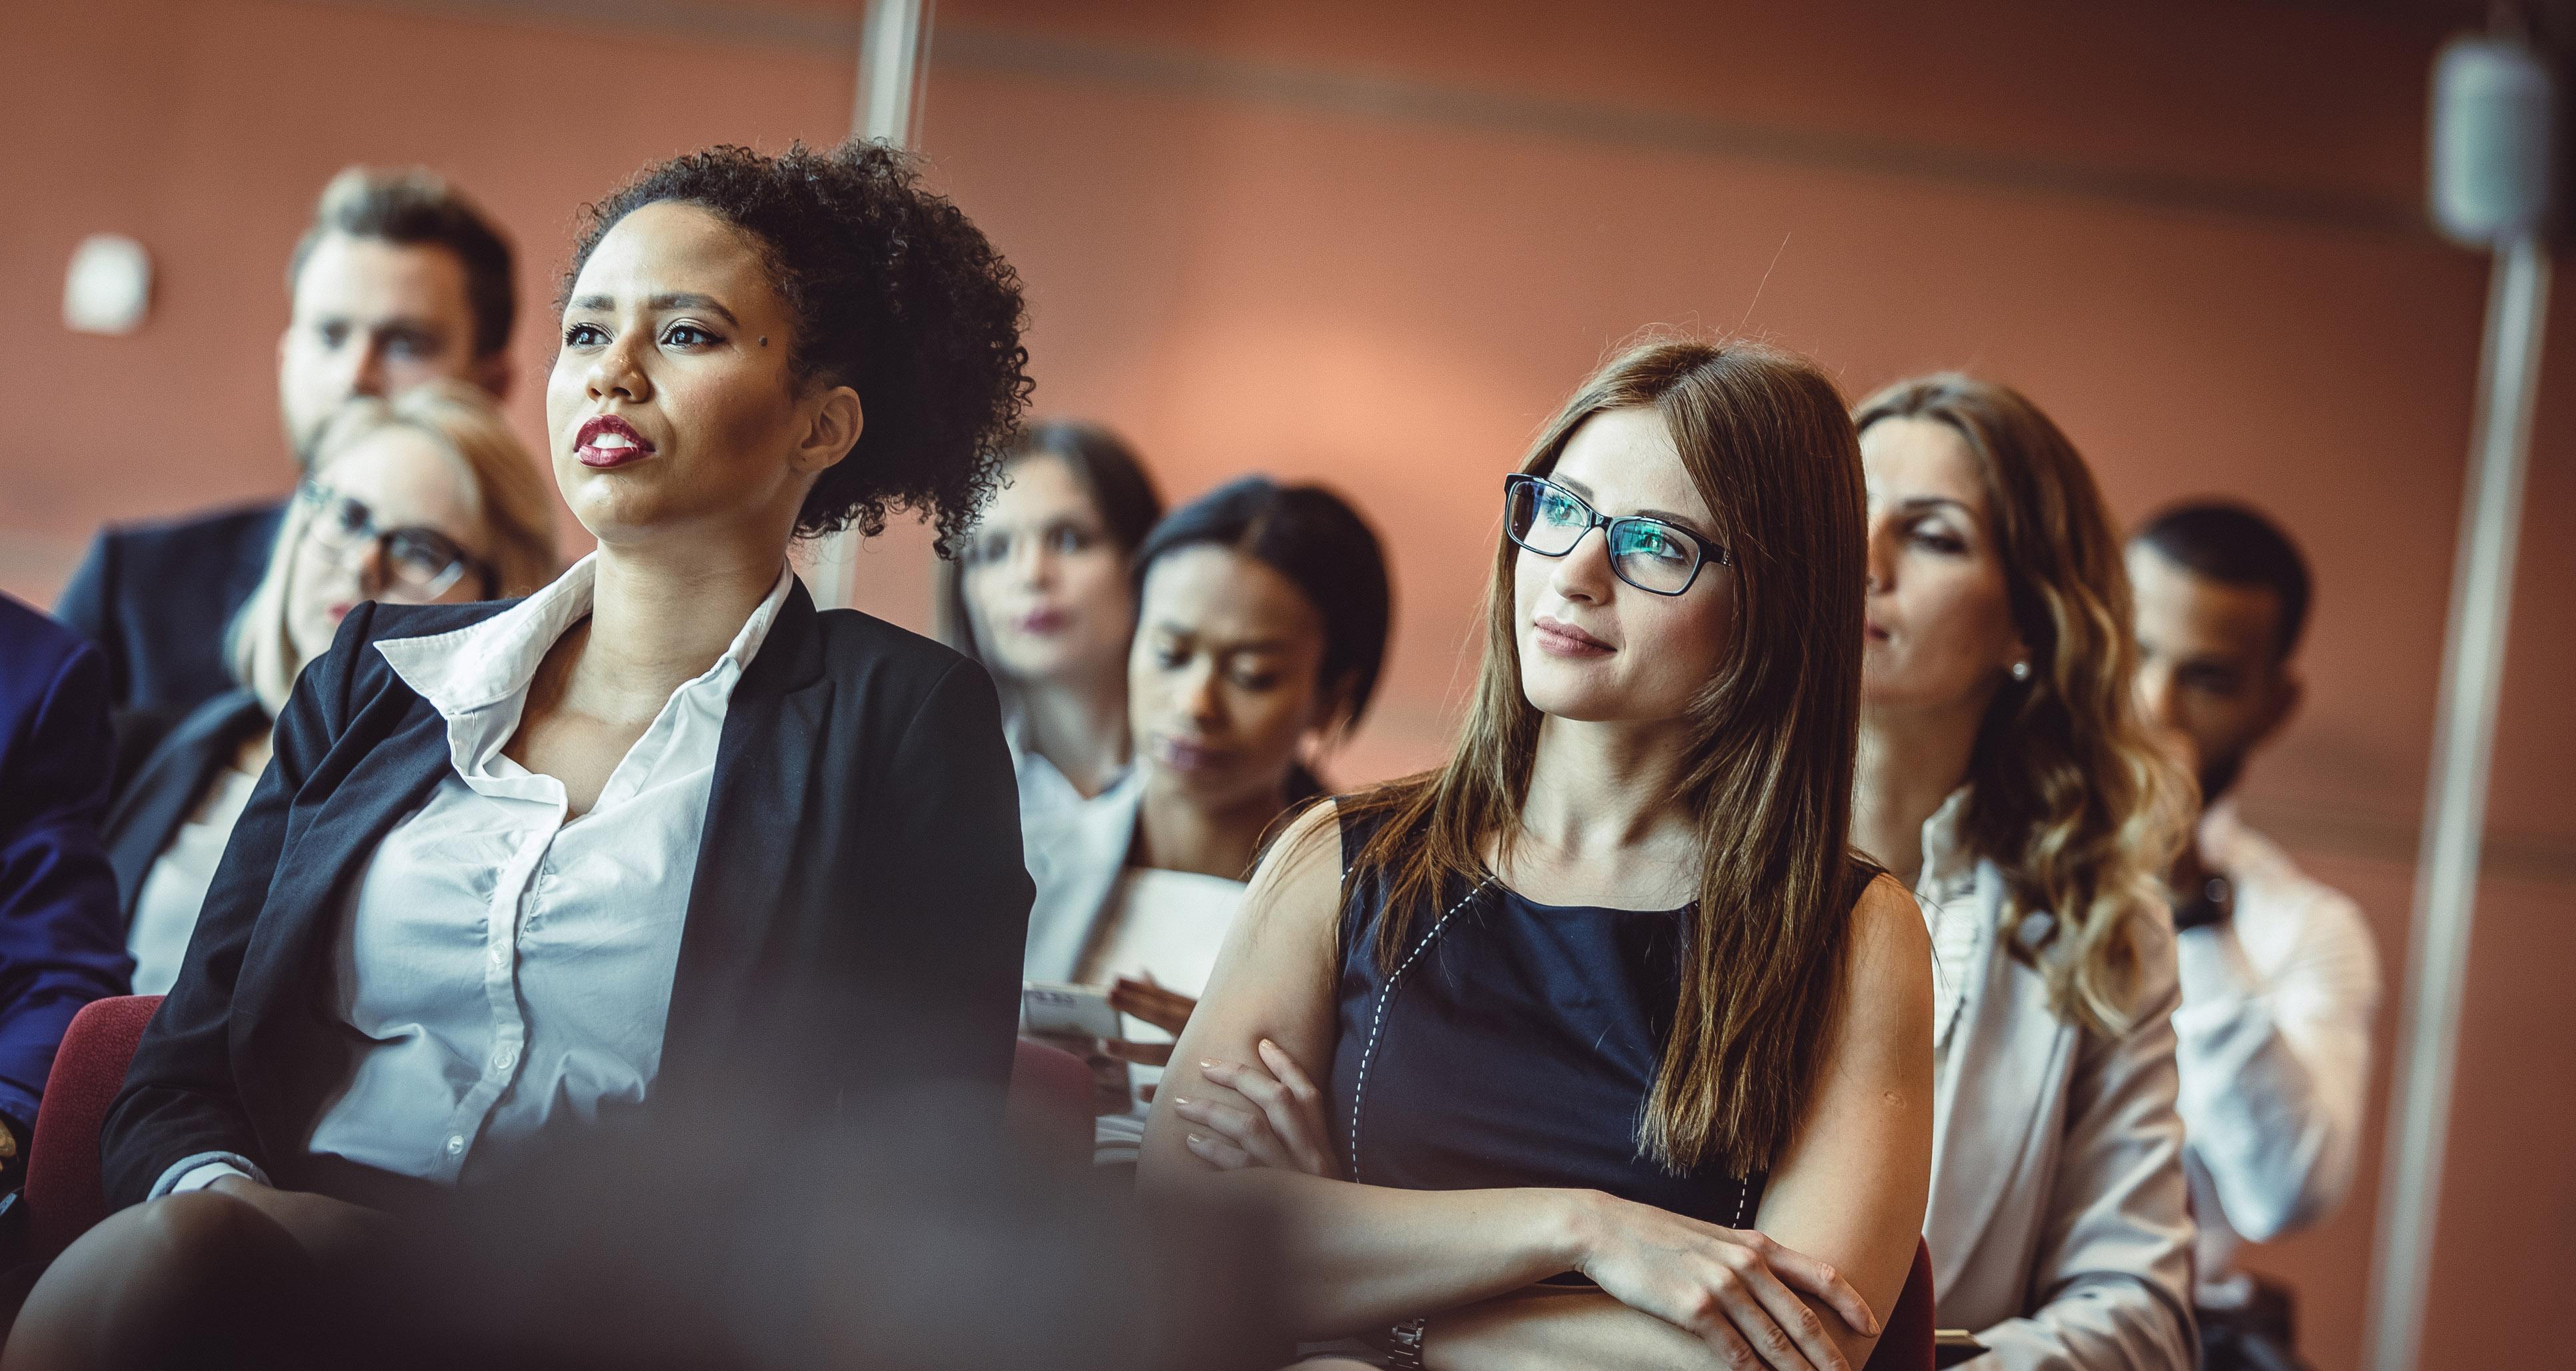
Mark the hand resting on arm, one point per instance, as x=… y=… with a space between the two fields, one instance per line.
x=1239 y=1107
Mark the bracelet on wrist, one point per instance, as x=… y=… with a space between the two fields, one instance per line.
x=1402 y=1345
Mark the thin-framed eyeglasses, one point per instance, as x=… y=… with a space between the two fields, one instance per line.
x=1655 y=556
x=419 y=562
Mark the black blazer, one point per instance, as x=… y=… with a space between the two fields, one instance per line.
x=854 y=925
x=156 y=598
x=166 y=788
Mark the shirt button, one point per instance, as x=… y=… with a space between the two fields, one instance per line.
x=504 y=1057
x=456 y=1144
x=500 y=956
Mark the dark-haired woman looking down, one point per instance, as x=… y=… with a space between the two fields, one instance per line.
x=1264 y=613
x=657 y=830
x=1599 y=1046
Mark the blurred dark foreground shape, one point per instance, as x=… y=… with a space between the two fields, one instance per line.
x=920 y=1245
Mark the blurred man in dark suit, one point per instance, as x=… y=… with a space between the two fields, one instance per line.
x=62 y=942
x=398 y=281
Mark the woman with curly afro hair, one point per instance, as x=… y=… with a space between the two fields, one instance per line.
x=657 y=837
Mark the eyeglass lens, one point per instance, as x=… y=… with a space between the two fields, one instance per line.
x=419 y=560
x=1646 y=553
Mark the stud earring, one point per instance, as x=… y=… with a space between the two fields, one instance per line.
x=2021 y=671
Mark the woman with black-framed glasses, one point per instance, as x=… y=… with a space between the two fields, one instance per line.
x=415 y=563
x=400 y=493
x=1599 y=1045
x=1657 y=556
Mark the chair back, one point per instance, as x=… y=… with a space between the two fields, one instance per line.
x=1050 y=1103
x=1906 y=1342
x=64 y=1194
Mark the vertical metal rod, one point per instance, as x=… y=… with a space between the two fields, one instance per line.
x=2455 y=808
x=893 y=49
x=894 y=46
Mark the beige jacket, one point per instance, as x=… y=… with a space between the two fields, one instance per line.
x=2059 y=1223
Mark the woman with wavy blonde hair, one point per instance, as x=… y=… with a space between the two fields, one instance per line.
x=423 y=439
x=425 y=498
x=2006 y=774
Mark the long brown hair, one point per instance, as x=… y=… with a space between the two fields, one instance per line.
x=2070 y=796
x=1768 y=780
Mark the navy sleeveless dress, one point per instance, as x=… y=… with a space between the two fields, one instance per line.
x=1514 y=1046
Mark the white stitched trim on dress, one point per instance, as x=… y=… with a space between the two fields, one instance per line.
x=1377 y=1020
x=1743 y=1202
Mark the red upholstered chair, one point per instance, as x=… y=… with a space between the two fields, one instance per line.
x=63 y=1193
x=1906 y=1345
x=1050 y=1102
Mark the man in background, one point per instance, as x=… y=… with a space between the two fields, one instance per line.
x=2280 y=979
x=399 y=280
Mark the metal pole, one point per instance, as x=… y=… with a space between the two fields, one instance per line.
x=2456 y=804
x=894 y=46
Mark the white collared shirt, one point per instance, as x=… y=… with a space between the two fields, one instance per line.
x=174 y=888
x=1076 y=847
x=502 y=966
x=1957 y=913
x=2273 y=1042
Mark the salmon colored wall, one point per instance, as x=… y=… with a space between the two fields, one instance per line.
x=1243 y=270
x=1375 y=244
x=206 y=129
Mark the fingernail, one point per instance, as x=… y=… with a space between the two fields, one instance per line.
x=1180 y=1099
x=1210 y=1064
x=1197 y=1140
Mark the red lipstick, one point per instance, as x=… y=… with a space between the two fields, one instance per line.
x=606 y=441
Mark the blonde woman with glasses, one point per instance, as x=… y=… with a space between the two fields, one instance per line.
x=422 y=499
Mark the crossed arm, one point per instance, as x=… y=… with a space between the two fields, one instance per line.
x=1239 y=1117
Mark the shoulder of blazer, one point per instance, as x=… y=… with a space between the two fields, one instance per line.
x=195 y=545
x=2157 y=989
x=367 y=668
x=38 y=653
x=386 y=622
x=865 y=651
x=345 y=680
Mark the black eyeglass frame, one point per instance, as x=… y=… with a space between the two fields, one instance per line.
x=1521 y=480
x=461 y=562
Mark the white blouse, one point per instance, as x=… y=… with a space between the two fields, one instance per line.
x=1163 y=926
x=1076 y=848
x=1953 y=912
x=174 y=889
x=501 y=964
